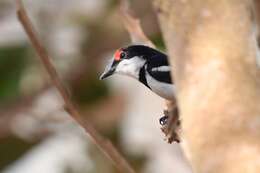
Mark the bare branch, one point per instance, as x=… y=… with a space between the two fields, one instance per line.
x=103 y=144
x=133 y=26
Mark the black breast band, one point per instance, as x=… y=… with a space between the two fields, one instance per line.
x=142 y=77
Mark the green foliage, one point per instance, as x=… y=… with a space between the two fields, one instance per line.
x=12 y=148
x=136 y=160
x=159 y=42
x=112 y=4
x=12 y=64
x=90 y=90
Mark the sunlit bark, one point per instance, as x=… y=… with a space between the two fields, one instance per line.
x=212 y=49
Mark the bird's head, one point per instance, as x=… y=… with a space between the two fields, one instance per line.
x=128 y=61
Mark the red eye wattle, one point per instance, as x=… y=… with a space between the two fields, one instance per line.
x=117 y=55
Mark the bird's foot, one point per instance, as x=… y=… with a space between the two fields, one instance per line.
x=163 y=120
x=171 y=125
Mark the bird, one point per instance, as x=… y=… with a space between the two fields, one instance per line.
x=145 y=64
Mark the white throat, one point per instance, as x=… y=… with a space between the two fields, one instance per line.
x=130 y=67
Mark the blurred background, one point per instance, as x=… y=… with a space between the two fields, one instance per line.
x=36 y=134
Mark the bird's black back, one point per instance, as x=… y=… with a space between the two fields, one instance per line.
x=157 y=62
x=154 y=59
x=142 y=51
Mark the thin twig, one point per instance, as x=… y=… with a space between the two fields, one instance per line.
x=103 y=144
x=133 y=25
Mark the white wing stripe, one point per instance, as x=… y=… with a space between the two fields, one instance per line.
x=162 y=69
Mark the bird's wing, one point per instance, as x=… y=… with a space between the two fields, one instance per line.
x=159 y=68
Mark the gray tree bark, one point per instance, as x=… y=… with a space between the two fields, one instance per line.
x=212 y=47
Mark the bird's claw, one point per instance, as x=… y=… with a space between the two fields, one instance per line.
x=171 y=125
x=163 y=120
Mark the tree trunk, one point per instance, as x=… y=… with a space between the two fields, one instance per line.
x=212 y=48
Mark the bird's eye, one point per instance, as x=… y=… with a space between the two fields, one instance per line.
x=122 y=55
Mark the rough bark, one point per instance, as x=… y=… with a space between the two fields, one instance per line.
x=212 y=48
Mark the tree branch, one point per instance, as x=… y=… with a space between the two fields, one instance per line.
x=133 y=25
x=103 y=144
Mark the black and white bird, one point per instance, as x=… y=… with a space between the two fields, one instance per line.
x=145 y=64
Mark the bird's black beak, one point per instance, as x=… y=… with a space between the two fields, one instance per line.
x=109 y=70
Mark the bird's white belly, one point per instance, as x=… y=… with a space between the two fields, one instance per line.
x=162 y=89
